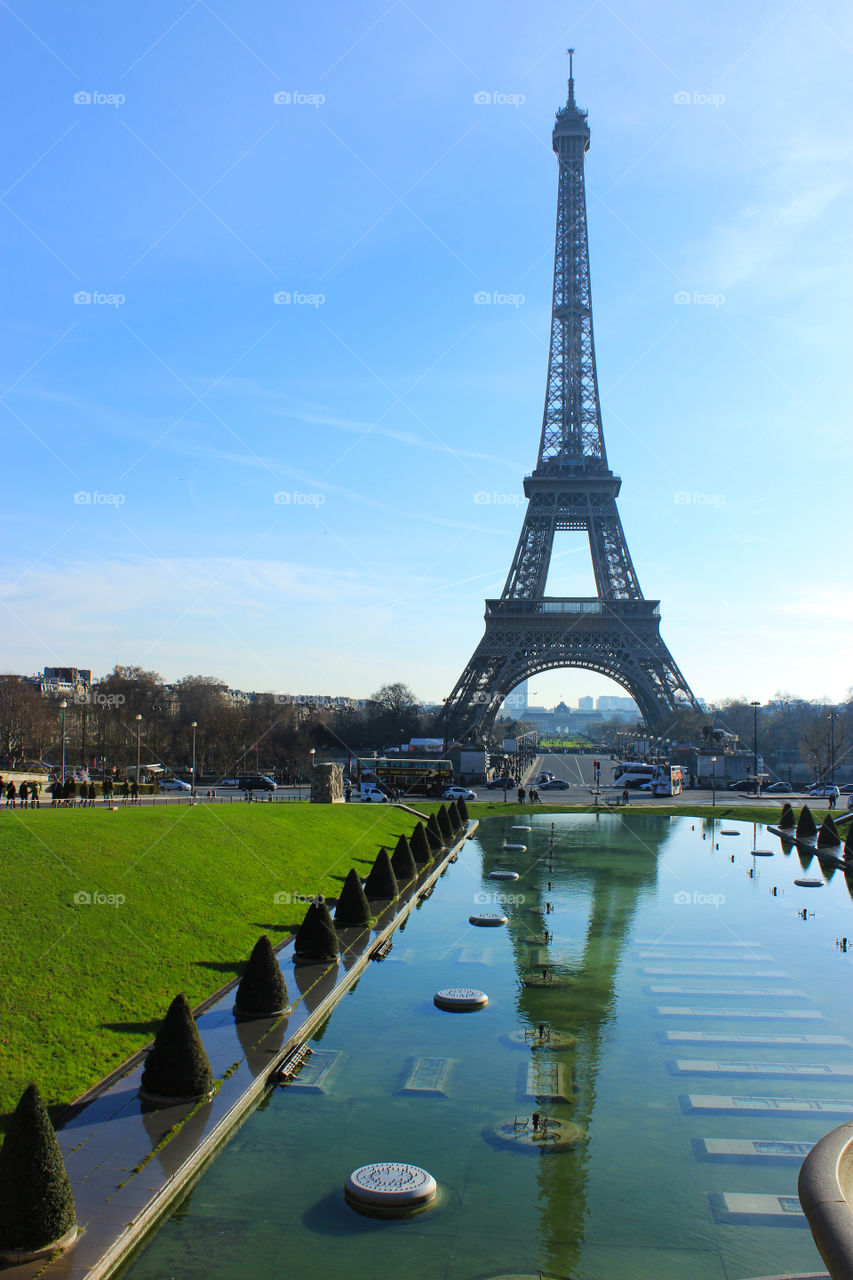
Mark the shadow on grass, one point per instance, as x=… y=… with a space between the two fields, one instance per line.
x=222 y=966
x=143 y=1028
x=289 y=927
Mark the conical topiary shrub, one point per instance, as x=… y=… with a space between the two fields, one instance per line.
x=177 y=1065
x=402 y=862
x=381 y=883
x=806 y=823
x=828 y=837
x=316 y=941
x=787 y=821
x=848 y=842
x=36 y=1203
x=352 y=909
x=433 y=834
x=462 y=808
x=445 y=826
x=262 y=990
x=419 y=845
x=453 y=815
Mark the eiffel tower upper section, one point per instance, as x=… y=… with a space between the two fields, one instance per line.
x=572 y=486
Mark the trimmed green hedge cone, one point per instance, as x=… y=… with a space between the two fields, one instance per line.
x=806 y=824
x=316 y=938
x=419 y=845
x=433 y=834
x=402 y=862
x=445 y=826
x=462 y=810
x=36 y=1203
x=381 y=883
x=787 y=821
x=177 y=1065
x=453 y=815
x=828 y=837
x=262 y=988
x=352 y=908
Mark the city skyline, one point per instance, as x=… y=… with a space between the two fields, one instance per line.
x=319 y=491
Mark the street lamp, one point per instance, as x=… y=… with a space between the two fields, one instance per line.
x=138 y=732
x=832 y=716
x=713 y=781
x=755 y=706
x=63 y=704
x=193 y=726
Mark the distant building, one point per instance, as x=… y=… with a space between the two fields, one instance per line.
x=515 y=704
x=64 y=679
x=586 y=704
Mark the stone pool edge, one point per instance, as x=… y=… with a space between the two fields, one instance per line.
x=188 y=1173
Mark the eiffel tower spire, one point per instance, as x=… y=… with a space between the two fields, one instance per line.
x=571 y=487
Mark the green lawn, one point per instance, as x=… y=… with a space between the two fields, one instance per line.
x=186 y=893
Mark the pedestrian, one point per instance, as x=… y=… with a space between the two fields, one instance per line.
x=91 y=795
x=134 y=792
x=54 y=793
x=34 y=795
x=522 y=795
x=11 y=793
x=125 y=790
x=24 y=793
x=108 y=788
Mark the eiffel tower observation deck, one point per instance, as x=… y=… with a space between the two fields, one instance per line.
x=616 y=632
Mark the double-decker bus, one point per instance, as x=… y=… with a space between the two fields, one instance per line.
x=407 y=776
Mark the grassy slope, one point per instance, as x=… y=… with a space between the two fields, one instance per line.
x=85 y=985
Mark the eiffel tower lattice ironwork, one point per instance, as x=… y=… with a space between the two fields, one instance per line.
x=617 y=631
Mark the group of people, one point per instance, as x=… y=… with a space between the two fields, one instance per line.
x=65 y=794
x=532 y=795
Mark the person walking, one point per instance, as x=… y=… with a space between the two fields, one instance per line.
x=522 y=795
x=34 y=795
x=125 y=790
x=134 y=792
x=92 y=794
x=11 y=794
x=24 y=793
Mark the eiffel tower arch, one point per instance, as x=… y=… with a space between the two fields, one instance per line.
x=616 y=632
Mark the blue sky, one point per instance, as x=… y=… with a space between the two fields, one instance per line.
x=290 y=495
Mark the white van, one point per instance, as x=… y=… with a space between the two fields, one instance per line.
x=370 y=793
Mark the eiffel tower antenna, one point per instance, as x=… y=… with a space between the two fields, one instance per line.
x=617 y=631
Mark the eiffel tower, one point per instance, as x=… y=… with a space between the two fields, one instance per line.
x=615 y=632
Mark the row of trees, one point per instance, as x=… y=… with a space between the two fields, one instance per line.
x=266 y=731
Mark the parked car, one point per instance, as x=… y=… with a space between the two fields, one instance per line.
x=372 y=795
x=255 y=782
x=742 y=784
x=847 y=789
x=826 y=789
x=174 y=784
x=556 y=784
x=498 y=784
x=458 y=793
x=779 y=788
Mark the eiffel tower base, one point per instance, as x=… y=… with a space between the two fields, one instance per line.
x=617 y=638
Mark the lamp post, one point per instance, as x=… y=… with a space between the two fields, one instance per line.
x=63 y=705
x=193 y=726
x=312 y=753
x=138 y=719
x=713 y=781
x=832 y=715
x=755 y=706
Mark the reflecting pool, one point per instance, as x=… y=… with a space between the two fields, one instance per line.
x=701 y=1039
